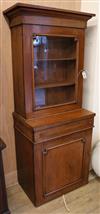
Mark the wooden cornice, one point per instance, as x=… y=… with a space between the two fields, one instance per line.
x=27 y=14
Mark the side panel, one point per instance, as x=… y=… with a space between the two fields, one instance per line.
x=18 y=76
x=25 y=163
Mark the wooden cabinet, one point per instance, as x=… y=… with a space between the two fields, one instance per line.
x=3 y=195
x=52 y=130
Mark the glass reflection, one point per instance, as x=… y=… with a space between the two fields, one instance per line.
x=41 y=42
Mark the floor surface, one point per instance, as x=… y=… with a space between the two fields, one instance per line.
x=84 y=200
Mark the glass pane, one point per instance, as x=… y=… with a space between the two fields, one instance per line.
x=54 y=96
x=54 y=70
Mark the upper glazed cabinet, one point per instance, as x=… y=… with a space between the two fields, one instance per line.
x=48 y=49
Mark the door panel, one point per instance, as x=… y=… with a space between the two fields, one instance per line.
x=62 y=165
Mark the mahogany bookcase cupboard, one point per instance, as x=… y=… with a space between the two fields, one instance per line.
x=52 y=131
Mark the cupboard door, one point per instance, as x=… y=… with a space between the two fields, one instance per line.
x=62 y=165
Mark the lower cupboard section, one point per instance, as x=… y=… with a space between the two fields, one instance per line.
x=49 y=169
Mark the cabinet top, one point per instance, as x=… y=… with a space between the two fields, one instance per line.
x=21 y=9
x=66 y=117
x=45 y=10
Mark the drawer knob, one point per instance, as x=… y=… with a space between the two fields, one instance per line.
x=83 y=141
x=45 y=152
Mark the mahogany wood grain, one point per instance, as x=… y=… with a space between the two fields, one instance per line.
x=62 y=157
x=25 y=166
x=60 y=117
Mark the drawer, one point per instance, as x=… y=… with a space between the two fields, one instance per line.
x=57 y=130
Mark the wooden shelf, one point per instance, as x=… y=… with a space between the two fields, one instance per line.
x=55 y=84
x=56 y=105
x=57 y=59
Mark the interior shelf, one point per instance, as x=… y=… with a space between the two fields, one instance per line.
x=55 y=84
x=44 y=106
x=57 y=59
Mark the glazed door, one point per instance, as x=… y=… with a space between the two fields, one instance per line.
x=62 y=165
x=55 y=60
